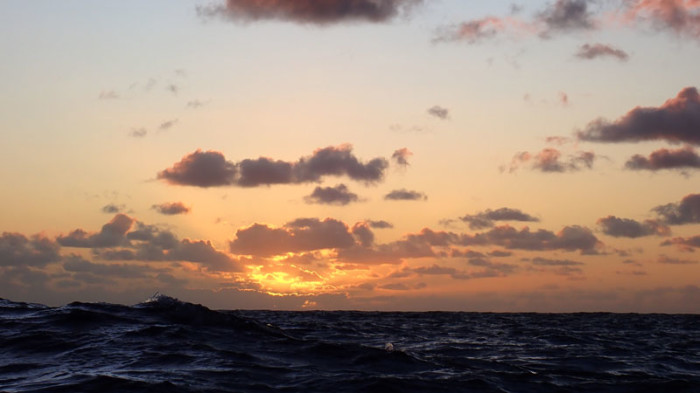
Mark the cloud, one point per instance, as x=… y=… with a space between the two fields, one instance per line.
x=684 y=243
x=201 y=169
x=76 y=264
x=550 y=160
x=304 y=234
x=566 y=15
x=439 y=112
x=677 y=120
x=594 y=51
x=680 y=16
x=309 y=11
x=405 y=195
x=625 y=227
x=400 y=156
x=486 y=218
x=194 y=104
x=554 y=262
x=570 y=238
x=204 y=253
x=112 y=208
x=112 y=234
x=666 y=260
x=171 y=208
x=381 y=224
x=338 y=195
x=687 y=211
x=108 y=95
x=167 y=124
x=210 y=169
x=685 y=157
x=138 y=132
x=563 y=98
x=36 y=251
x=474 y=31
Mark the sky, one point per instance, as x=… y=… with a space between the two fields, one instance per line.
x=411 y=155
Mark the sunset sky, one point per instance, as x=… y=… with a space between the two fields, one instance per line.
x=352 y=154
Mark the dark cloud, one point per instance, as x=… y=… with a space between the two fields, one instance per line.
x=400 y=157
x=500 y=253
x=439 y=112
x=677 y=120
x=205 y=254
x=112 y=208
x=112 y=234
x=566 y=15
x=486 y=218
x=554 y=262
x=594 y=51
x=687 y=211
x=171 y=208
x=338 y=195
x=364 y=234
x=306 y=234
x=570 y=238
x=309 y=11
x=76 y=264
x=201 y=169
x=680 y=16
x=550 y=160
x=436 y=270
x=405 y=195
x=208 y=169
x=625 y=227
x=18 y=250
x=683 y=158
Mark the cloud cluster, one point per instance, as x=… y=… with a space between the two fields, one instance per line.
x=487 y=218
x=625 y=227
x=679 y=16
x=310 y=11
x=594 y=51
x=19 y=250
x=211 y=169
x=683 y=158
x=570 y=238
x=550 y=160
x=677 y=120
x=338 y=195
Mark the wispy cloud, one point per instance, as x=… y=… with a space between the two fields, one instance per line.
x=594 y=51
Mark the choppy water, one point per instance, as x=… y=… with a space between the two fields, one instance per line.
x=165 y=345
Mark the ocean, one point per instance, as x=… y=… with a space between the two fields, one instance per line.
x=167 y=345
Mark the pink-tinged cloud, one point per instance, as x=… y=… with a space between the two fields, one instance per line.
x=625 y=227
x=405 y=195
x=304 y=234
x=171 y=208
x=339 y=195
x=550 y=160
x=680 y=16
x=683 y=158
x=211 y=169
x=474 y=31
x=310 y=11
x=401 y=156
x=486 y=219
x=595 y=51
x=20 y=251
x=687 y=211
x=688 y=244
x=677 y=120
x=566 y=15
x=112 y=234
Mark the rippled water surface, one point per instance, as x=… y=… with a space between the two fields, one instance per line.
x=166 y=345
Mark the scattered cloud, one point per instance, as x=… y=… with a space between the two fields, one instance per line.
x=338 y=195
x=171 y=208
x=683 y=158
x=487 y=218
x=112 y=234
x=594 y=51
x=381 y=224
x=167 y=125
x=194 y=104
x=138 y=132
x=563 y=98
x=405 y=195
x=108 y=95
x=400 y=157
x=550 y=160
x=677 y=120
x=687 y=211
x=566 y=15
x=679 y=16
x=439 y=112
x=666 y=260
x=570 y=238
x=112 y=208
x=625 y=227
x=687 y=244
x=211 y=169
x=476 y=30
x=309 y=11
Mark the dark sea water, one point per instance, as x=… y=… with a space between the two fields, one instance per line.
x=165 y=345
